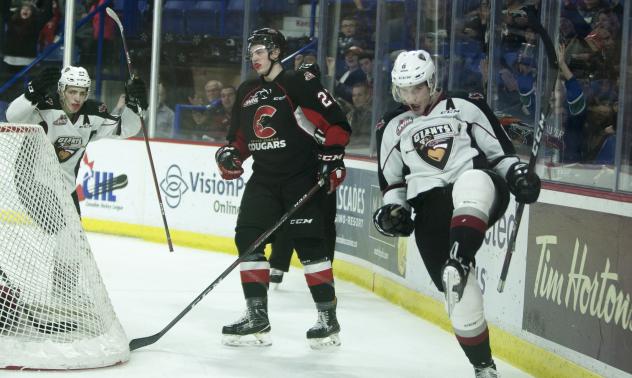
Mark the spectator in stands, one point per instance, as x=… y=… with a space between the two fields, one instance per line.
x=21 y=41
x=353 y=75
x=109 y=29
x=47 y=34
x=164 y=115
x=365 y=60
x=212 y=92
x=360 y=115
x=347 y=38
x=220 y=115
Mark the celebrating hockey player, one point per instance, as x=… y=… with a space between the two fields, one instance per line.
x=447 y=157
x=70 y=119
x=295 y=133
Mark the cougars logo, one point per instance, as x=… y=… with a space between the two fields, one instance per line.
x=261 y=120
x=433 y=147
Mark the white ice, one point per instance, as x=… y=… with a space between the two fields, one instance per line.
x=149 y=286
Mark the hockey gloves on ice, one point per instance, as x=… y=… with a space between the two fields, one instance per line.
x=524 y=185
x=393 y=220
x=136 y=94
x=229 y=162
x=332 y=166
x=38 y=87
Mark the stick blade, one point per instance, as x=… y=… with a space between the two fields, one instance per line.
x=143 y=341
x=114 y=16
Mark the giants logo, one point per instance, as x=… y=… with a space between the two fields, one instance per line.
x=261 y=120
x=434 y=144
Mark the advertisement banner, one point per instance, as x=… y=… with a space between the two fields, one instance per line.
x=358 y=197
x=579 y=280
x=110 y=181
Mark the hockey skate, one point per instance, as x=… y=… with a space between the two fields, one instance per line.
x=324 y=333
x=487 y=370
x=276 y=277
x=252 y=329
x=454 y=276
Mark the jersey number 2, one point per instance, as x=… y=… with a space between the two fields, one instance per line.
x=324 y=99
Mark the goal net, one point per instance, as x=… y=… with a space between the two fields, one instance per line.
x=55 y=312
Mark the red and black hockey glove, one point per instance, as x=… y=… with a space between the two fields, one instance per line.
x=229 y=162
x=37 y=88
x=332 y=166
x=524 y=185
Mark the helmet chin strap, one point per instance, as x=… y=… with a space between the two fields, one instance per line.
x=272 y=62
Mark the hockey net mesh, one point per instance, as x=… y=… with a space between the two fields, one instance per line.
x=54 y=309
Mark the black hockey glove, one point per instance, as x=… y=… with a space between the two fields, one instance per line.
x=37 y=88
x=524 y=185
x=332 y=166
x=393 y=220
x=136 y=95
x=229 y=162
x=310 y=67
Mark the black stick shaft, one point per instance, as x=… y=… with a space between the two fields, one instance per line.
x=549 y=48
x=130 y=68
x=144 y=341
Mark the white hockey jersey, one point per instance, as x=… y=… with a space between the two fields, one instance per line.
x=417 y=154
x=71 y=136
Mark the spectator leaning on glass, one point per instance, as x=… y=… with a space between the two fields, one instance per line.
x=448 y=158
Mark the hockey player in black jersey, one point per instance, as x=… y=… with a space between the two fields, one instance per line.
x=295 y=133
x=447 y=157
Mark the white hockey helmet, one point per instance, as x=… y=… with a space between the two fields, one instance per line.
x=75 y=77
x=412 y=68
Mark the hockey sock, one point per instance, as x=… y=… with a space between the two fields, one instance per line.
x=470 y=327
x=468 y=228
x=255 y=278
x=320 y=279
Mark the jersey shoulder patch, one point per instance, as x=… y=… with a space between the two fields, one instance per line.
x=389 y=115
x=93 y=107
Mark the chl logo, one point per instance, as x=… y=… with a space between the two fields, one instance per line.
x=434 y=144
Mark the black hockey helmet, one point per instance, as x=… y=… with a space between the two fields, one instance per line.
x=270 y=38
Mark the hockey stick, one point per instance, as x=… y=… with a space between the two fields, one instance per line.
x=144 y=341
x=537 y=135
x=41 y=326
x=130 y=68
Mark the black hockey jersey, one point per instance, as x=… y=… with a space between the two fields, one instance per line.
x=275 y=123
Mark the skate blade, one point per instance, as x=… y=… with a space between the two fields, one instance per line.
x=274 y=285
x=451 y=279
x=325 y=343
x=254 y=340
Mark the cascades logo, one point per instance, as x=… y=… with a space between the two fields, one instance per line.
x=177 y=183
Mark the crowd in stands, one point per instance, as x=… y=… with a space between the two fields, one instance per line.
x=585 y=101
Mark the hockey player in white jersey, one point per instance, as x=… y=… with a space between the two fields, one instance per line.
x=447 y=157
x=70 y=119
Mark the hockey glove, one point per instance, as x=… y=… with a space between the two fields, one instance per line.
x=229 y=162
x=136 y=95
x=393 y=220
x=332 y=166
x=38 y=87
x=524 y=185
x=311 y=68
